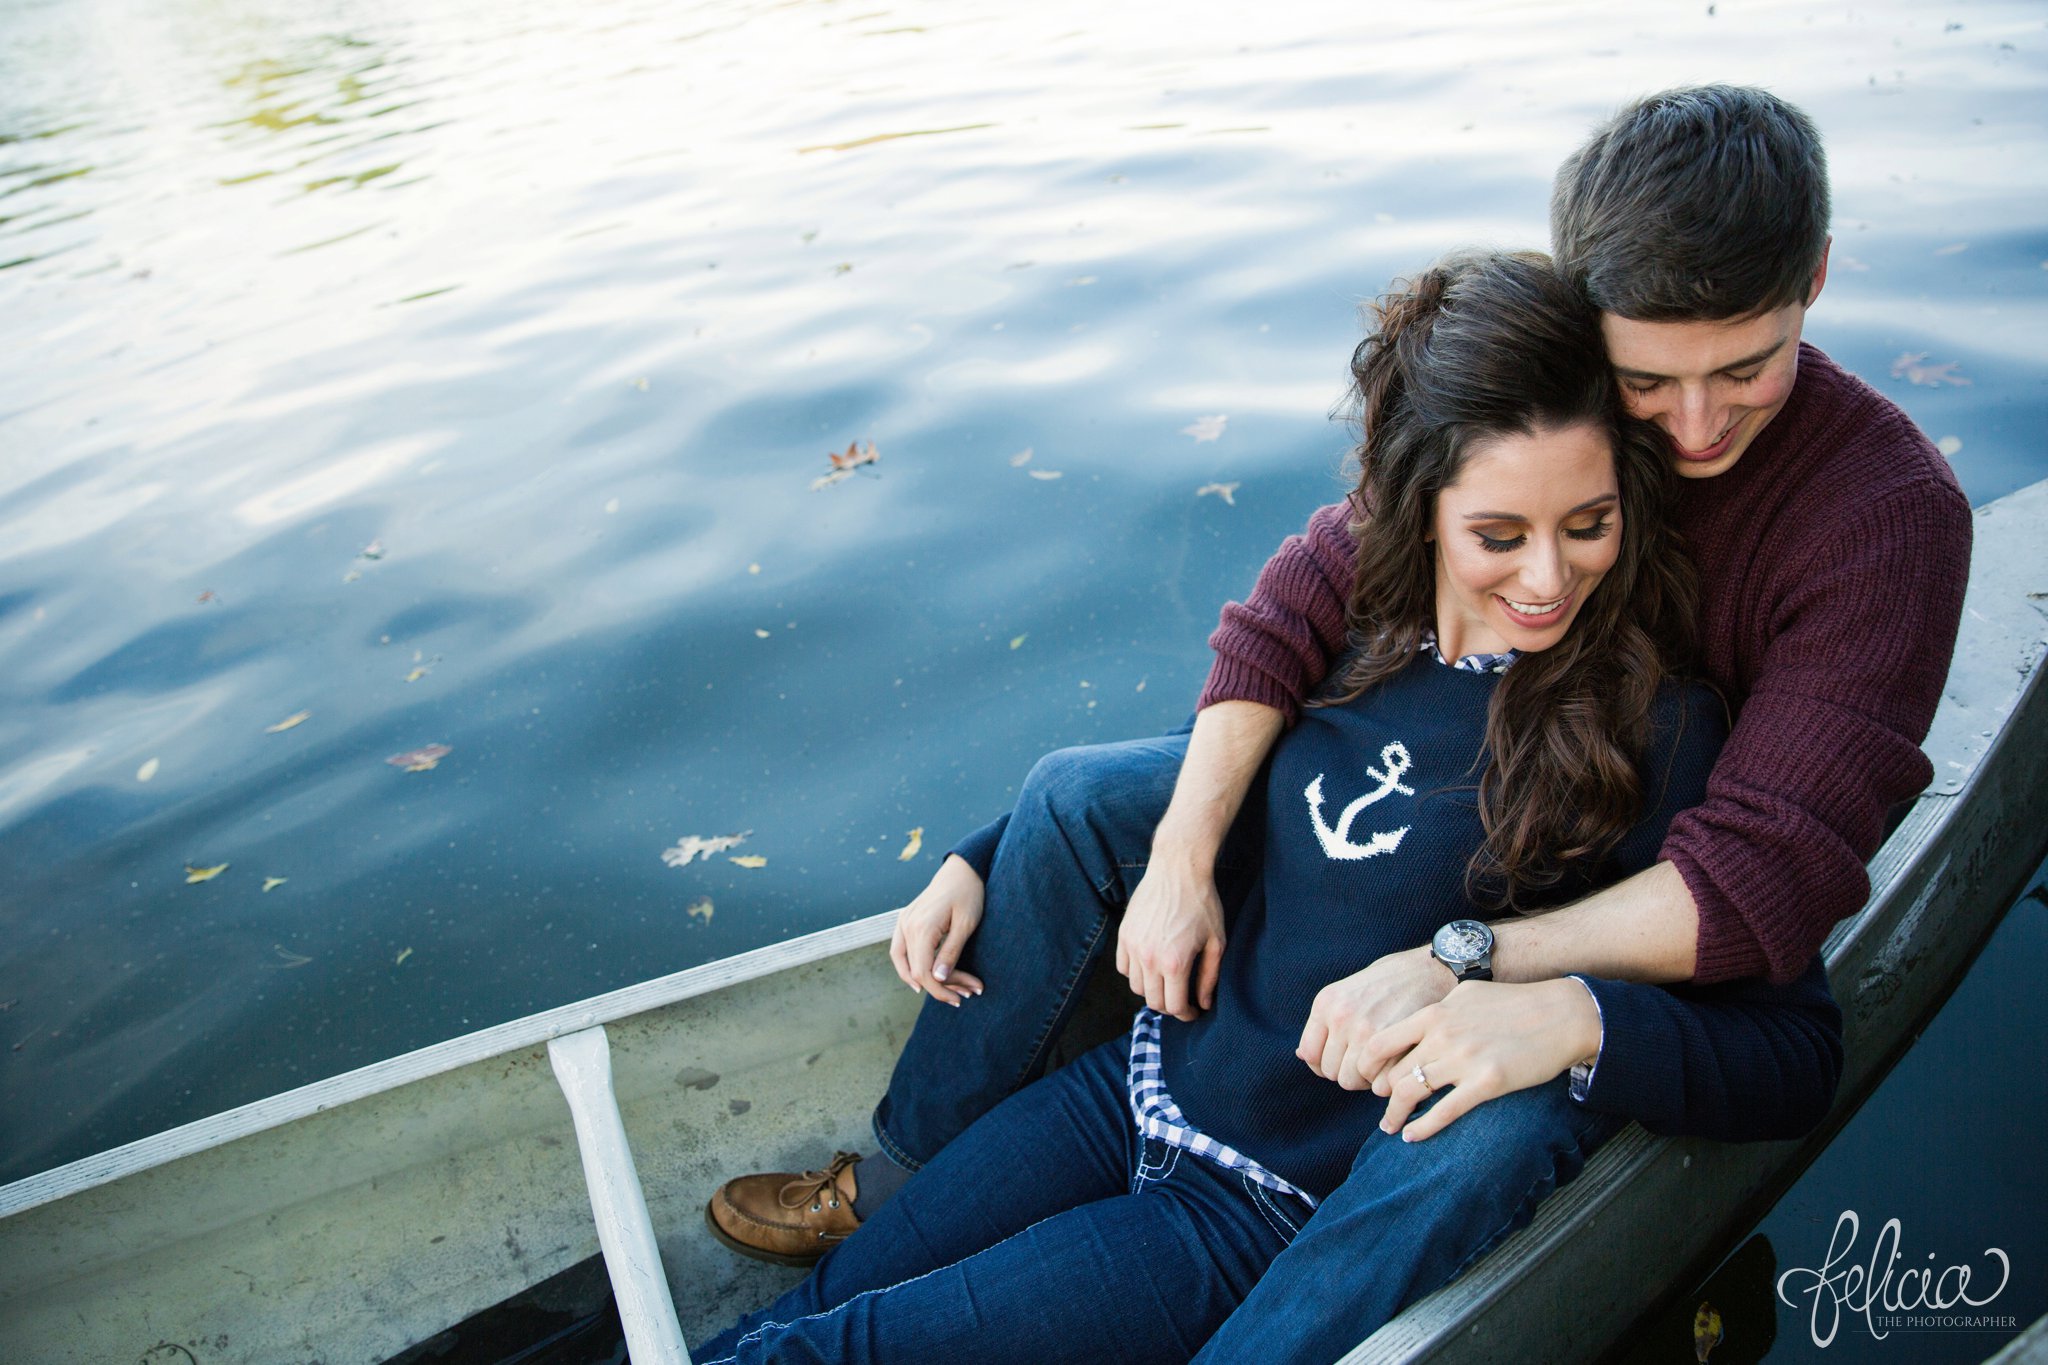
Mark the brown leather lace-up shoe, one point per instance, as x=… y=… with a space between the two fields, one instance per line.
x=784 y=1218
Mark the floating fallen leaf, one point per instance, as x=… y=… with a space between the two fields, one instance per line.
x=641 y=384
x=403 y=954
x=1141 y=684
x=750 y=860
x=844 y=267
x=1949 y=445
x=1706 y=1332
x=146 y=771
x=416 y=675
x=1021 y=458
x=753 y=568
x=827 y=480
x=271 y=883
x=1205 y=428
x=691 y=847
x=295 y=718
x=1910 y=368
x=1043 y=473
x=761 y=634
x=350 y=577
x=699 y=909
x=208 y=596
x=910 y=850
x=1225 y=491
x=421 y=759
x=1081 y=280
x=202 y=874
x=374 y=550
x=1018 y=643
x=290 y=958
x=611 y=505
x=854 y=458
x=1952 y=249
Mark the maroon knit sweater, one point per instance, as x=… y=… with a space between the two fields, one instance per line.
x=1832 y=562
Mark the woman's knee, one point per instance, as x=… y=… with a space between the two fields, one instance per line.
x=1112 y=787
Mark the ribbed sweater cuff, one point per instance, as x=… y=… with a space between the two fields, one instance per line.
x=1235 y=680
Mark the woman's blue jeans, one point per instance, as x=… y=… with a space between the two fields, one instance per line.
x=1409 y=1218
x=1048 y=1232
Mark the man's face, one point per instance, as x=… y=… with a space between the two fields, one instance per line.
x=1711 y=386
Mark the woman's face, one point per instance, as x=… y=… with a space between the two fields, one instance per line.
x=1523 y=537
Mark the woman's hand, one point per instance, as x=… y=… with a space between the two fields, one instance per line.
x=932 y=931
x=1485 y=1039
x=1348 y=1015
x=1171 y=941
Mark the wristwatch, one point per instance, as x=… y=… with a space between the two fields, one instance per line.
x=1466 y=947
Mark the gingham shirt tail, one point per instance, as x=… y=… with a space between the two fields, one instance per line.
x=1159 y=1117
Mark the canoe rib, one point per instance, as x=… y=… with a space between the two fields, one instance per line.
x=583 y=1065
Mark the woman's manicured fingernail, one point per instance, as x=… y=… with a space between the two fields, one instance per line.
x=940 y=971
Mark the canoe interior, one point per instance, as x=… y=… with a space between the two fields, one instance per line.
x=356 y=1217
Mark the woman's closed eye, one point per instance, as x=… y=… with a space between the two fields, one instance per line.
x=1501 y=545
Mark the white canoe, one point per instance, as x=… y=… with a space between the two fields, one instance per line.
x=349 y=1219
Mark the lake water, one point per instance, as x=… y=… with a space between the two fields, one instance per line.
x=453 y=374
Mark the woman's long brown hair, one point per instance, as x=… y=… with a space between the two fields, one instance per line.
x=1477 y=347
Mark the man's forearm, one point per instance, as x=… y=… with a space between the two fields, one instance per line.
x=1643 y=929
x=1229 y=742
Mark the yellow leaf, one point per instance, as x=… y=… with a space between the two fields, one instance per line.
x=760 y=634
x=750 y=860
x=700 y=909
x=1206 y=428
x=270 y=882
x=1021 y=458
x=1043 y=473
x=296 y=718
x=1222 y=490
x=289 y=958
x=753 y=568
x=146 y=771
x=1706 y=1331
x=403 y=954
x=202 y=874
x=1018 y=643
x=910 y=849
x=416 y=675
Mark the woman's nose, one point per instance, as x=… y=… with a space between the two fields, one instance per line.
x=1543 y=573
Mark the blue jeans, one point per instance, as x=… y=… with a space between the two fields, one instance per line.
x=1048 y=1232
x=1410 y=1217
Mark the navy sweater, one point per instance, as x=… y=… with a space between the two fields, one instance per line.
x=1370 y=819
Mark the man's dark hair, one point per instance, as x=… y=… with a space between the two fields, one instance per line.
x=1703 y=203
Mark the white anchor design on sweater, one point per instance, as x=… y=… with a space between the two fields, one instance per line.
x=1337 y=842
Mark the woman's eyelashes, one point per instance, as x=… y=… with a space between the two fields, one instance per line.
x=1503 y=545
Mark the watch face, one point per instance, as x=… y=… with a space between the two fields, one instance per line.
x=1463 y=940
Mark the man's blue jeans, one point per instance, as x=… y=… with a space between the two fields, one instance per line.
x=1410 y=1217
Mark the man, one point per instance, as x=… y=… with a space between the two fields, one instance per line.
x=1833 y=547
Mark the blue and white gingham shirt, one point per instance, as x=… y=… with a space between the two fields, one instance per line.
x=1159 y=1117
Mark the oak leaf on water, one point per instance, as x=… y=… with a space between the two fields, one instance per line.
x=691 y=847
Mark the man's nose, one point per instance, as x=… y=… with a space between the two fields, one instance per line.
x=1696 y=420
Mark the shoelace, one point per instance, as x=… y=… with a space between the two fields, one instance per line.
x=809 y=1188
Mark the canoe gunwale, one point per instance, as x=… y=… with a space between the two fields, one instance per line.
x=528 y=1031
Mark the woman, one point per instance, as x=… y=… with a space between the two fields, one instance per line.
x=1503 y=734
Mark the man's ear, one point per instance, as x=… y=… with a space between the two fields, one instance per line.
x=1820 y=275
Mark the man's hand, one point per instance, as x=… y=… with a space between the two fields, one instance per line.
x=932 y=931
x=1337 y=1040
x=1171 y=941
x=1486 y=1039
